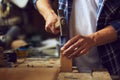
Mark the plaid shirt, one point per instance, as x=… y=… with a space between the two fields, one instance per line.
x=110 y=15
x=110 y=53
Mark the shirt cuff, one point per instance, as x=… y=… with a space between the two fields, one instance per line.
x=116 y=26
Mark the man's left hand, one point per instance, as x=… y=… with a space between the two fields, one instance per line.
x=77 y=46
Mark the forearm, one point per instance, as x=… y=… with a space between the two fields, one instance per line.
x=44 y=8
x=104 y=36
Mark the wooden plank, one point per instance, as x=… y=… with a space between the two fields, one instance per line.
x=37 y=62
x=101 y=75
x=97 y=75
x=74 y=76
x=29 y=73
x=65 y=64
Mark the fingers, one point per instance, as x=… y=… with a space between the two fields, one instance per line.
x=83 y=52
x=73 y=47
x=70 y=43
x=54 y=29
x=77 y=52
x=77 y=46
x=50 y=27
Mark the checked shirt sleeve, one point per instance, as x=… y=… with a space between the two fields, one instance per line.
x=116 y=25
x=115 y=22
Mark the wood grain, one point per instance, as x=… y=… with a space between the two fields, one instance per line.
x=29 y=73
x=66 y=64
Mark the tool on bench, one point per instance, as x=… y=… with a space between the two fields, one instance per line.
x=66 y=64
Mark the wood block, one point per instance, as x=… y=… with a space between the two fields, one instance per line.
x=29 y=73
x=66 y=64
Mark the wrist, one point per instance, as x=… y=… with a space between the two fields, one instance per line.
x=104 y=36
x=44 y=8
x=49 y=13
x=93 y=39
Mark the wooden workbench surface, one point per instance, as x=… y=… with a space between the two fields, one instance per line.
x=85 y=76
x=49 y=74
x=29 y=73
x=50 y=66
x=38 y=62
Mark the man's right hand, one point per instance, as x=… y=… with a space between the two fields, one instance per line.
x=51 y=21
x=49 y=15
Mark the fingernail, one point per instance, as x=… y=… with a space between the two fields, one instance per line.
x=62 y=48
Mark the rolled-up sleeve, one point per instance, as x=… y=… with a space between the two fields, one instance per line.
x=116 y=26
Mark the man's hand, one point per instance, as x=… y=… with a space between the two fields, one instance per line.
x=77 y=46
x=80 y=45
x=51 y=21
x=49 y=15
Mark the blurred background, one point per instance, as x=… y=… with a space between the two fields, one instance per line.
x=22 y=27
x=22 y=13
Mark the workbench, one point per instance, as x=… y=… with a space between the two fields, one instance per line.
x=47 y=69
x=49 y=74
